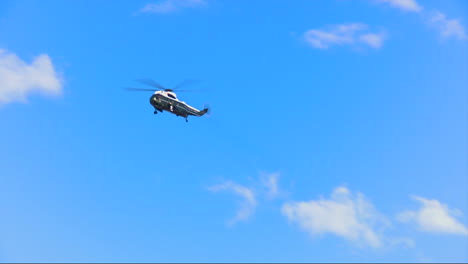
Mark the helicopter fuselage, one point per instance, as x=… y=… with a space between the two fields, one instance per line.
x=167 y=101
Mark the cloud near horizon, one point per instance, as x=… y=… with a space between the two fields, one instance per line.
x=434 y=217
x=347 y=215
x=170 y=6
x=18 y=79
x=344 y=34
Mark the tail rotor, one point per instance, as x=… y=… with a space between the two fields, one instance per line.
x=207 y=109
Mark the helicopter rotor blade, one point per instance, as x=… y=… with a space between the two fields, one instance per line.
x=151 y=83
x=184 y=83
x=191 y=90
x=140 y=89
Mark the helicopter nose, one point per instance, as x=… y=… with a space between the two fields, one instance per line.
x=152 y=99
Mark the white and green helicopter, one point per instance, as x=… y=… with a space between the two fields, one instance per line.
x=165 y=99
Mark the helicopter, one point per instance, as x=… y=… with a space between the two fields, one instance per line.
x=165 y=99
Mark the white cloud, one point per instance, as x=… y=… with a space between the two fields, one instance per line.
x=434 y=217
x=270 y=182
x=448 y=27
x=169 y=6
x=345 y=214
x=18 y=79
x=266 y=187
x=247 y=195
x=345 y=34
x=373 y=40
x=406 y=5
x=405 y=242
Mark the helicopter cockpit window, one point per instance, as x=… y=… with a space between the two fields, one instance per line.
x=171 y=96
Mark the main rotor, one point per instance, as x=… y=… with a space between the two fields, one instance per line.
x=158 y=87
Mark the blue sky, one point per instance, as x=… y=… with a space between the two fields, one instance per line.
x=337 y=134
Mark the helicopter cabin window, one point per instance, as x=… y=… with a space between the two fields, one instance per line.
x=171 y=96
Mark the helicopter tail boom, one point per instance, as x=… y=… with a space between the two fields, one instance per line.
x=202 y=112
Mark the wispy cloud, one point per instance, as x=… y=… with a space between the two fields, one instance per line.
x=347 y=215
x=170 y=6
x=270 y=183
x=344 y=34
x=406 y=5
x=18 y=79
x=373 y=40
x=266 y=187
x=248 y=200
x=435 y=217
x=447 y=27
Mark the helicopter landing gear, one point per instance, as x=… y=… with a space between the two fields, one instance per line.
x=186 y=119
x=155 y=111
